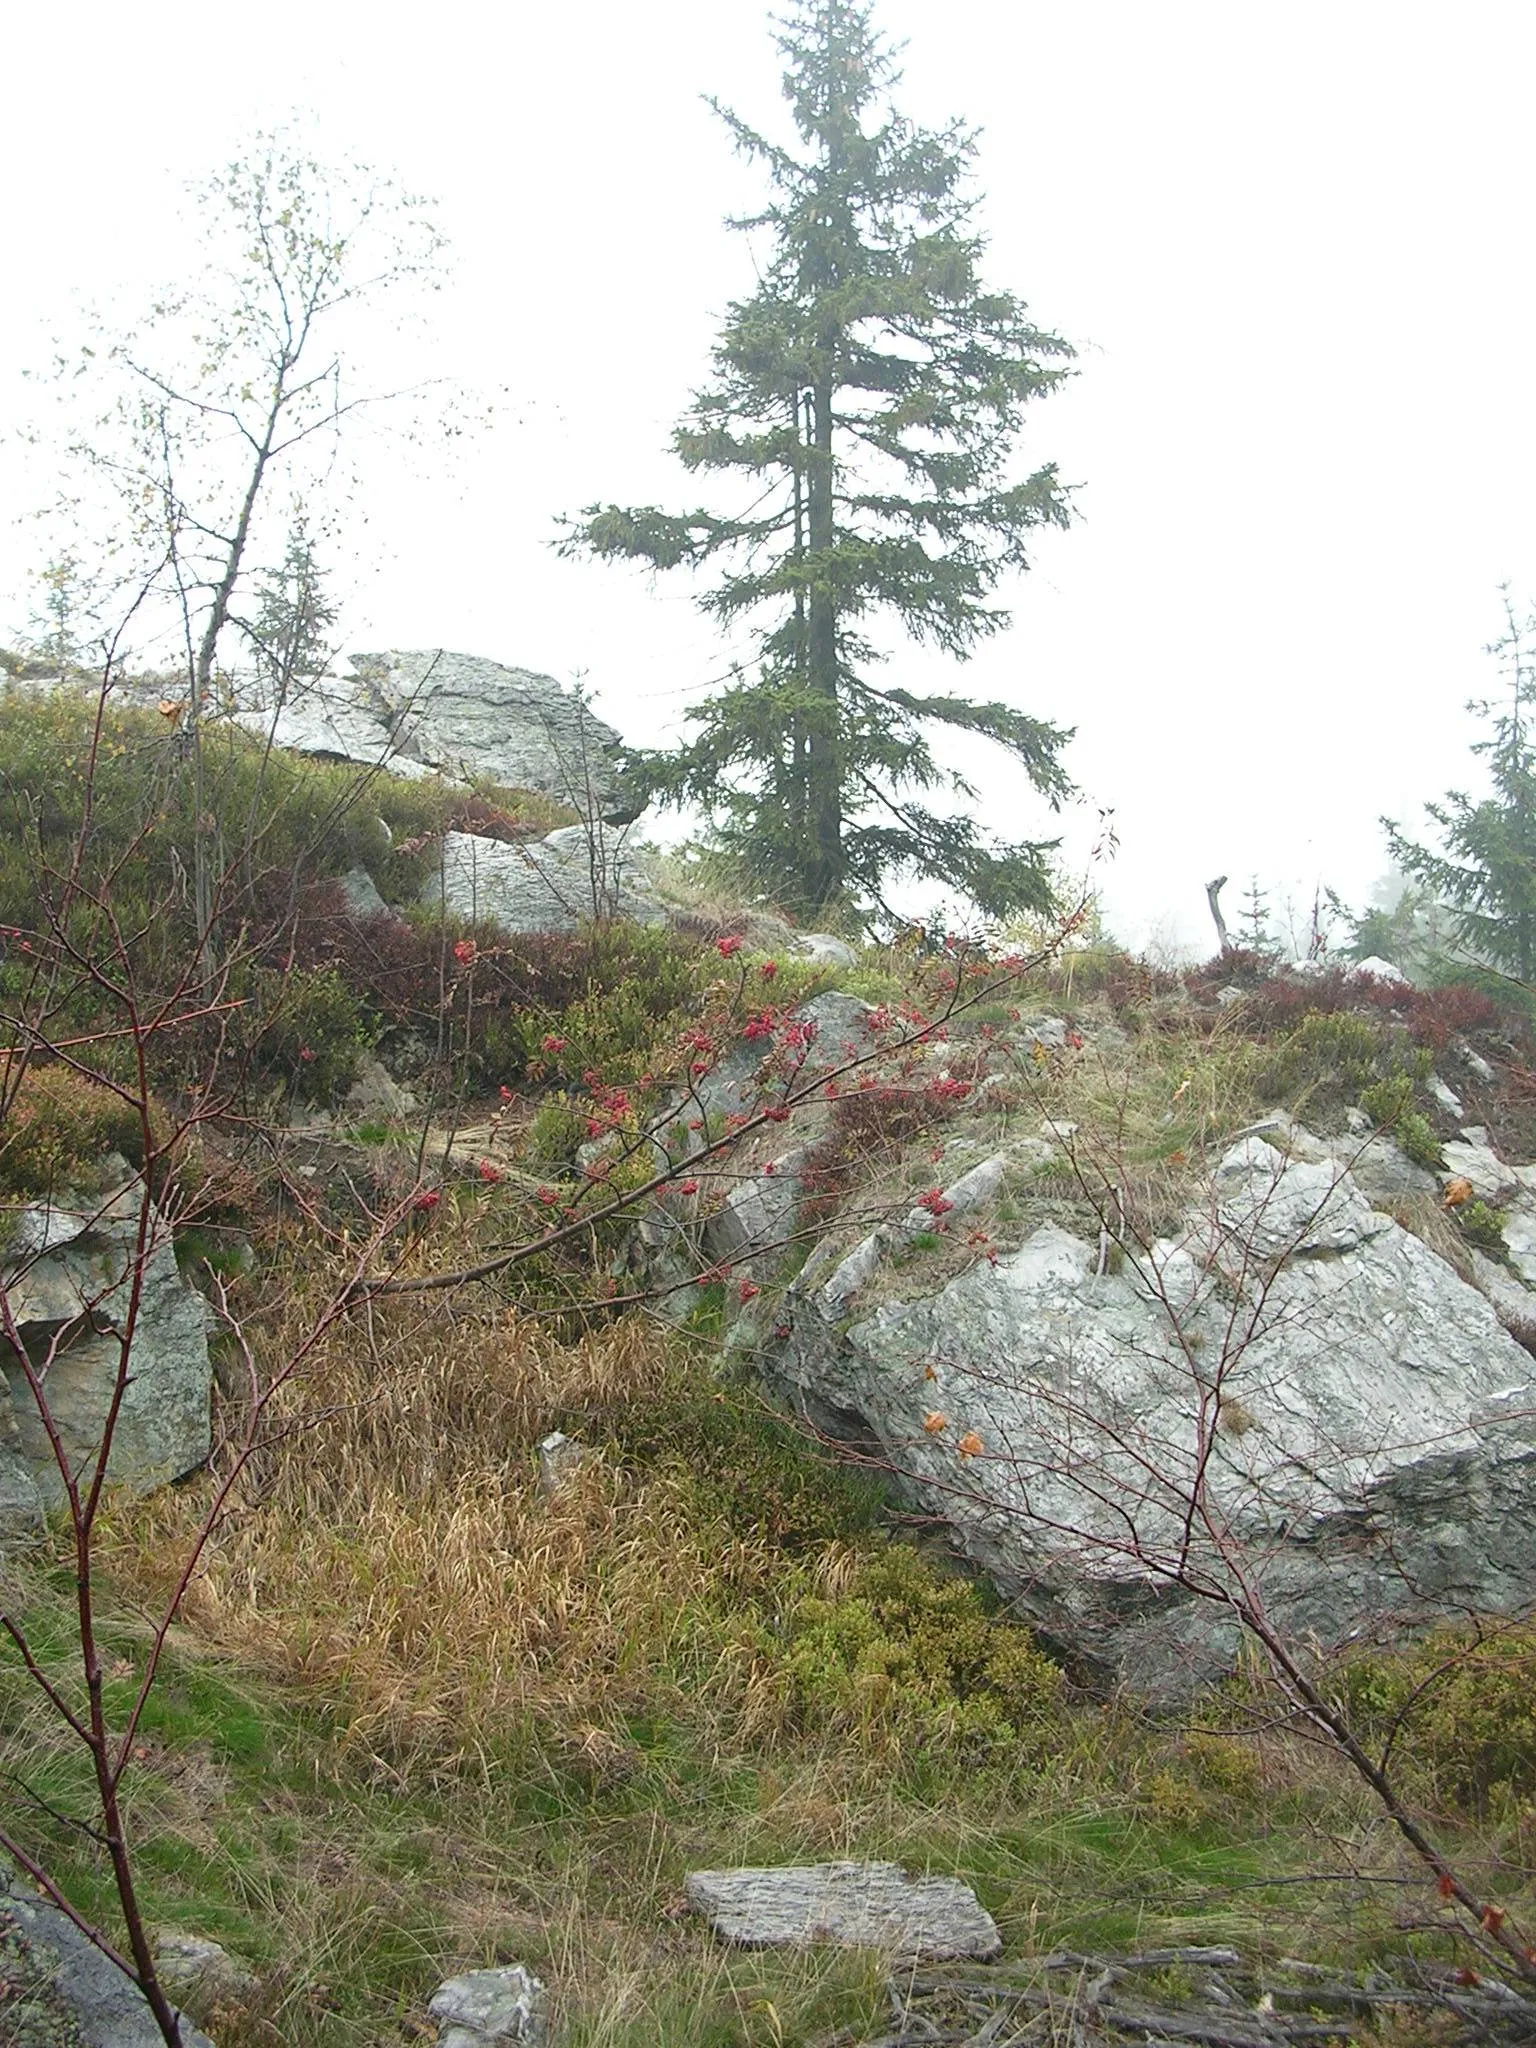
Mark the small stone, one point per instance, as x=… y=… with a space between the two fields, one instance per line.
x=1446 y=1096
x=1472 y=1158
x=192 y=1967
x=362 y=897
x=561 y=1457
x=854 y=1905
x=1383 y=970
x=376 y=1096
x=822 y=949
x=484 y=2006
x=971 y=1191
x=1049 y=1033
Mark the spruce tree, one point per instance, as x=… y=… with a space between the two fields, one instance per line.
x=1485 y=870
x=868 y=395
x=291 y=633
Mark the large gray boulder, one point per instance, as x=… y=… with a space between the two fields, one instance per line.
x=430 y=710
x=472 y=718
x=67 y=1277
x=837 y=1029
x=64 y=1979
x=1358 y=1429
x=331 y=722
x=541 y=885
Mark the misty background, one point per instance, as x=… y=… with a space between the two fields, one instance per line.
x=1289 y=242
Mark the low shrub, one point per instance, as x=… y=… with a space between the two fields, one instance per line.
x=747 y=1467
x=602 y=998
x=1481 y=1225
x=55 y=1124
x=304 y=1028
x=916 y=1659
x=1334 y=1056
x=1460 y=1714
x=1437 y=1015
x=1388 y=1104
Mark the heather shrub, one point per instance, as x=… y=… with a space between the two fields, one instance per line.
x=1481 y=1225
x=1334 y=1056
x=1389 y=1105
x=1461 y=1714
x=548 y=1004
x=916 y=1661
x=1437 y=1015
x=55 y=1124
x=303 y=1028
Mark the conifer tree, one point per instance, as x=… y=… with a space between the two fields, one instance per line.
x=1485 y=871
x=291 y=633
x=868 y=395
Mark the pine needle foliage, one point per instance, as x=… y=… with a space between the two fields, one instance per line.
x=867 y=396
x=1485 y=869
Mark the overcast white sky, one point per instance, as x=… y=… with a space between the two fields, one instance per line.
x=1292 y=242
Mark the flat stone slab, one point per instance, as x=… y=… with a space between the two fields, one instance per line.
x=855 y=1905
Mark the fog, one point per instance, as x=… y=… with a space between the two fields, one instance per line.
x=1289 y=242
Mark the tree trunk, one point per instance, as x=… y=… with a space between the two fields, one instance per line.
x=1213 y=897
x=202 y=681
x=824 y=864
x=799 y=768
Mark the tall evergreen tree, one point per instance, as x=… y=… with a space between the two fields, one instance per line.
x=869 y=393
x=1485 y=870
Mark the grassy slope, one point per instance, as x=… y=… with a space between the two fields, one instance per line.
x=416 y=1716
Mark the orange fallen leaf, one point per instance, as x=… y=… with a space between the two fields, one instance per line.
x=1457 y=1191
x=930 y=1372
x=1493 y=1919
x=970 y=1444
x=1447 y=1885
x=933 y=1422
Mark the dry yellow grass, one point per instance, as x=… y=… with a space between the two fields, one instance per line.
x=396 y=1550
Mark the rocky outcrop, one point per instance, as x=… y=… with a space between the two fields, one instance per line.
x=1360 y=1429
x=65 y=1986
x=542 y=885
x=67 y=1279
x=429 y=710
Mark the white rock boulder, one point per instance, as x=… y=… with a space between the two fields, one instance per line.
x=553 y=884
x=1356 y=1427
x=68 y=1279
x=851 y=1905
x=424 y=710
